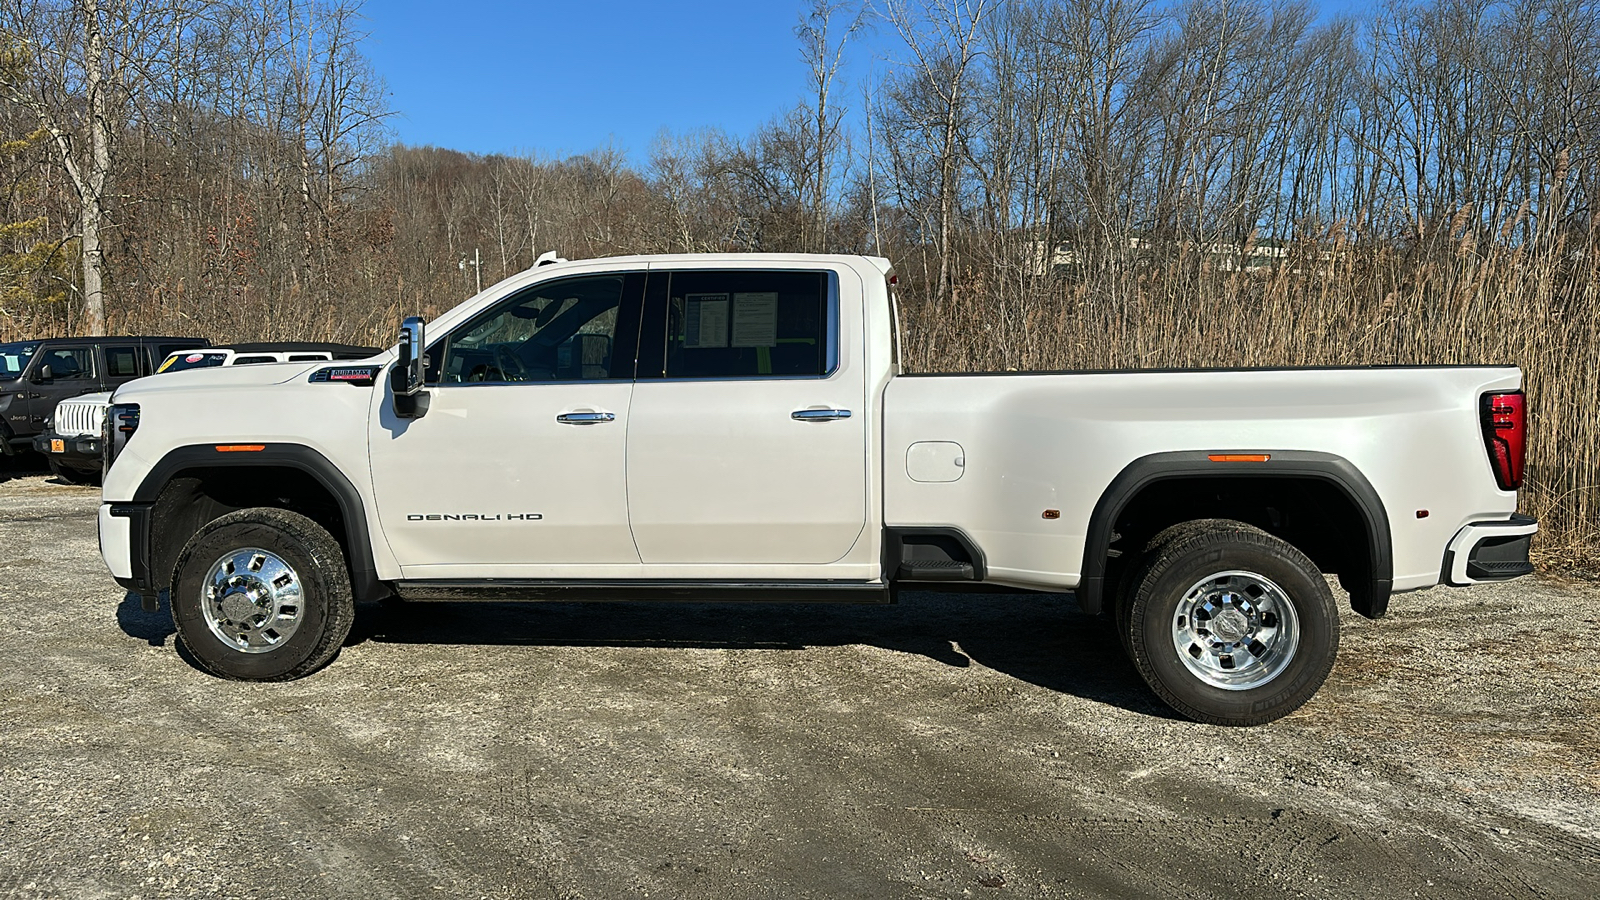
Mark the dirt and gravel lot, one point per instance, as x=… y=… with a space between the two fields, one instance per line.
x=950 y=746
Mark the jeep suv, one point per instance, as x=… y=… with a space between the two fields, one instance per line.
x=36 y=375
x=71 y=442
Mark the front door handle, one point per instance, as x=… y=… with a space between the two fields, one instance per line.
x=586 y=418
x=819 y=415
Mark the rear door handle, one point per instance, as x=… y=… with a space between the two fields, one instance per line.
x=586 y=418
x=819 y=415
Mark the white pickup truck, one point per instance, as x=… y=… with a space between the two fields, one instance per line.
x=738 y=427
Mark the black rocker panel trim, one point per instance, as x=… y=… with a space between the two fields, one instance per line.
x=1370 y=599
x=504 y=589
x=364 y=581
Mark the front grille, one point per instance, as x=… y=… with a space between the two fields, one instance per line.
x=78 y=418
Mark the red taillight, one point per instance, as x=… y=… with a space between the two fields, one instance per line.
x=1505 y=434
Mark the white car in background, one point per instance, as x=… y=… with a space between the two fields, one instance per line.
x=256 y=354
x=71 y=442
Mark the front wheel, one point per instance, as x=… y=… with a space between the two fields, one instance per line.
x=262 y=595
x=1232 y=626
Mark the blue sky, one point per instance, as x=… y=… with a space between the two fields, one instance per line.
x=560 y=78
x=492 y=75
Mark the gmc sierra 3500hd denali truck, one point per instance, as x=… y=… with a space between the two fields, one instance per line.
x=737 y=427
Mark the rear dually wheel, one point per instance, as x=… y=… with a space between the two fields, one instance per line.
x=1230 y=625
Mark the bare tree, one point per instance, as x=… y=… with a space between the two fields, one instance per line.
x=822 y=44
x=933 y=98
x=72 y=91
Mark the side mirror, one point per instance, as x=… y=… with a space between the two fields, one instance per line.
x=44 y=374
x=405 y=379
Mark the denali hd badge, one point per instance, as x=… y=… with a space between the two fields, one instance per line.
x=475 y=517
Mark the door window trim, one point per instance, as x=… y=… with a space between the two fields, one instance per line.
x=653 y=324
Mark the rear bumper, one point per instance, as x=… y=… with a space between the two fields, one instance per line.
x=1490 y=551
x=78 y=452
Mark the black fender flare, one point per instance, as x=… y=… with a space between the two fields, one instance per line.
x=364 y=582
x=1369 y=598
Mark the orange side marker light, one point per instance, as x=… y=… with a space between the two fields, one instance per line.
x=240 y=448
x=1239 y=457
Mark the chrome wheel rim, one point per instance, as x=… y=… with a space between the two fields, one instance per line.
x=1235 y=630
x=252 y=600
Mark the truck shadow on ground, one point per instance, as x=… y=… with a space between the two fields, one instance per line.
x=1039 y=638
x=151 y=627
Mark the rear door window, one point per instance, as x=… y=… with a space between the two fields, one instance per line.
x=121 y=362
x=740 y=324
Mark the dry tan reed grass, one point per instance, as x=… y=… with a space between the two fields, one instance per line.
x=1324 y=305
x=1483 y=300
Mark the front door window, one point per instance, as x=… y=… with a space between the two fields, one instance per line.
x=69 y=363
x=566 y=331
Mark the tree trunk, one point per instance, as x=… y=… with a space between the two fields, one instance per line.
x=93 y=189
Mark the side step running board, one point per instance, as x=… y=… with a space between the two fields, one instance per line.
x=503 y=589
x=937 y=570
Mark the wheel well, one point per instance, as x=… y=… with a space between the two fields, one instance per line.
x=195 y=496
x=1315 y=515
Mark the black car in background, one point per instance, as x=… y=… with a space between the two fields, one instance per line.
x=36 y=375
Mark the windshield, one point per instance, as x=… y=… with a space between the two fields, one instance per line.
x=179 y=361
x=14 y=358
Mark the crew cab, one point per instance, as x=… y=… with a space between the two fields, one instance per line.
x=738 y=426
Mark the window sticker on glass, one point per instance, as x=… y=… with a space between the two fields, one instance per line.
x=705 y=321
x=755 y=319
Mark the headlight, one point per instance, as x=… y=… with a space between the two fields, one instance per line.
x=122 y=420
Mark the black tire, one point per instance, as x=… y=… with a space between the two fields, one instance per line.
x=1292 y=672
x=73 y=476
x=324 y=607
x=1139 y=569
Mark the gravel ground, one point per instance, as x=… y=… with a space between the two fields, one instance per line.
x=950 y=746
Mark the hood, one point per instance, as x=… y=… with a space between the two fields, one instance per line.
x=232 y=377
x=100 y=399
